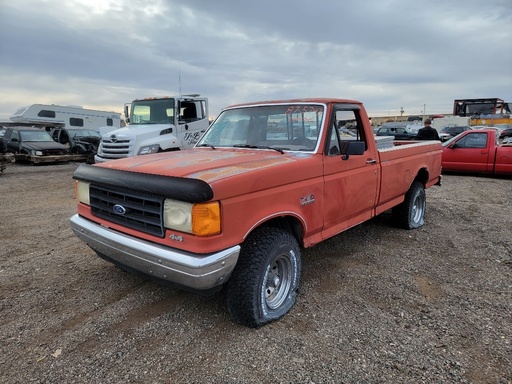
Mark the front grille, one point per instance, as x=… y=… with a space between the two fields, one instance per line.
x=141 y=212
x=54 y=152
x=117 y=149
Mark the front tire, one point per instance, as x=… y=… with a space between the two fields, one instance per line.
x=411 y=213
x=265 y=281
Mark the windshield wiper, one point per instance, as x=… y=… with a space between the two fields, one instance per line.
x=206 y=145
x=258 y=147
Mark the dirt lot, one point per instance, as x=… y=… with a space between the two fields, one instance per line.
x=377 y=304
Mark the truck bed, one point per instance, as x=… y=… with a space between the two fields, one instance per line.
x=400 y=164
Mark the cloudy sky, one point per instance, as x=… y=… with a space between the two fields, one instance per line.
x=390 y=54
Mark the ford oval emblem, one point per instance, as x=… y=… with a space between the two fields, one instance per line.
x=119 y=209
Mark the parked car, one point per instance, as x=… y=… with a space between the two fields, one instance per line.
x=78 y=140
x=32 y=144
x=443 y=136
x=398 y=131
x=455 y=130
x=506 y=133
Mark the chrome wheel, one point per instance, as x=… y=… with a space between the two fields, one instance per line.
x=418 y=208
x=278 y=281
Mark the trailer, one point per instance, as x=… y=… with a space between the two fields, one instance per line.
x=53 y=116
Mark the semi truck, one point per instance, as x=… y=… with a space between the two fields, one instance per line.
x=156 y=124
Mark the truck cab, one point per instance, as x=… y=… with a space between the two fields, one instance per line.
x=156 y=125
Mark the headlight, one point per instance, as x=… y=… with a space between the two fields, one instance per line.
x=38 y=153
x=166 y=131
x=198 y=219
x=147 y=149
x=82 y=192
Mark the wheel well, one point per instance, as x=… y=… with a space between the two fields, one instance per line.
x=422 y=176
x=287 y=223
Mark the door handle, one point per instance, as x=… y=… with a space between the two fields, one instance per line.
x=371 y=161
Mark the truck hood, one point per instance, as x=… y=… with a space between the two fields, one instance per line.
x=139 y=130
x=254 y=169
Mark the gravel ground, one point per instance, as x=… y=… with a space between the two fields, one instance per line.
x=377 y=304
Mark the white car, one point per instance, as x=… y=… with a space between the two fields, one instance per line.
x=444 y=136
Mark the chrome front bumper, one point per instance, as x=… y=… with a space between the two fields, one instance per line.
x=195 y=271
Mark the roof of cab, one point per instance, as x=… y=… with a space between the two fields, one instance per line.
x=318 y=100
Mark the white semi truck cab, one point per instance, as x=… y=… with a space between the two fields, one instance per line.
x=156 y=124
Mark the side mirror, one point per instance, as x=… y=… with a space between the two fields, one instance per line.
x=14 y=140
x=352 y=148
x=454 y=145
x=127 y=113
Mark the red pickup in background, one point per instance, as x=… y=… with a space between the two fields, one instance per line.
x=477 y=151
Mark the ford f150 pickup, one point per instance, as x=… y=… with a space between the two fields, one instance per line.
x=477 y=151
x=266 y=180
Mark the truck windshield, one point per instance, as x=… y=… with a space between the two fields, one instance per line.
x=152 y=111
x=294 y=127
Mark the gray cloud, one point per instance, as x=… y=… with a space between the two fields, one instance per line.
x=388 y=53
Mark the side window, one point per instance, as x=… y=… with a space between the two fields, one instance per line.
x=192 y=110
x=46 y=113
x=110 y=122
x=473 y=140
x=346 y=126
x=74 y=122
x=15 y=135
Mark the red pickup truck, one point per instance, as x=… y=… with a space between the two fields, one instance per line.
x=265 y=180
x=477 y=151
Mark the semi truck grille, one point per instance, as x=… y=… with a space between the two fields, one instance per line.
x=136 y=211
x=118 y=149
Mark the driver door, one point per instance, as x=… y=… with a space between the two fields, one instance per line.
x=350 y=185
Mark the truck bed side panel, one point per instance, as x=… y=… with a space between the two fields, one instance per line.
x=503 y=160
x=400 y=166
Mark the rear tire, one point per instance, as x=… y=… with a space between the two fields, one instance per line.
x=265 y=281
x=411 y=213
